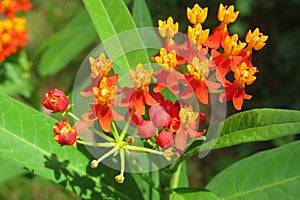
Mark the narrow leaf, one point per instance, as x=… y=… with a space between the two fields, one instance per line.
x=192 y=193
x=272 y=174
x=66 y=45
x=141 y=14
x=112 y=19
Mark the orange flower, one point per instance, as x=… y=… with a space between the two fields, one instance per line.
x=168 y=76
x=167 y=28
x=139 y=95
x=230 y=58
x=64 y=134
x=99 y=67
x=236 y=91
x=226 y=15
x=196 y=15
x=101 y=110
x=188 y=124
x=10 y=7
x=199 y=71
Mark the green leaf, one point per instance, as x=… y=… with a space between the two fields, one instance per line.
x=141 y=14
x=26 y=139
x=112 y=19
x=249 y=126
x=64 y=46
x=272 y=174
x=193 y=193
x=256 y=125
x=9 y=170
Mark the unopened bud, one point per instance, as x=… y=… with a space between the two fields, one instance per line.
x=94 y=164
x=120 y=178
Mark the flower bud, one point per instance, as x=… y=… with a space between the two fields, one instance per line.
x=136 y=118
x=158 y=97
x=56 y=100
x=165 y=139
x=146 y=129
x=64 y=134
x=120 y=178
x=202 y=119
x=159 y=116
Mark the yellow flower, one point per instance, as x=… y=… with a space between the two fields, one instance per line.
x=227 y=15
x=197 y=35
x=140 y=77
x=232 y=46
x=198 y=69
x=167 y=60
x=256 y=39
x=244 y=75
x=19 y=24
x=167 y=28
x=187 y=116
x=196 y=15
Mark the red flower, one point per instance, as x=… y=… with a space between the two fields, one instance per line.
x=10 y=7
x=146 y=129
x=139 y=95
x=165 y=139
x=199 y=71
x=101 y=110
x=236 y=90
x=64 y=134
x=56 y=100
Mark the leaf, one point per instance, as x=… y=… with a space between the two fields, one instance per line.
x=112 y=19
x=256 y=125
x=193 y=193
x=9 y=170
x=141 y=14
x=26 y=139
x=64 y=46
x=249 y=126
x=272 y=174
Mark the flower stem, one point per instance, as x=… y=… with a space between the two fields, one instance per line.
x=137 y=148
x=113 y=150
x=126 y=125
x=164 y=182
x=143 y=175
x=95 y=144
x=115 y=133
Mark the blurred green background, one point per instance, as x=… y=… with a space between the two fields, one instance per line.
x=277 y=85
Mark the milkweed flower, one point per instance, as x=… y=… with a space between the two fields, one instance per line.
x=236 y=91
x=196 y=15
x=139 y=96
x=64 y=134
x=226 y=15
x=10 y=7
x=188 y=125
x=56 y=100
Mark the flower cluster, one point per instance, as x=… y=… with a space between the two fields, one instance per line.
x=13 y=32
x=197 y=67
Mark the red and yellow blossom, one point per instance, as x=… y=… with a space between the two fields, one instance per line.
x=56 y=100
x=188 y=124
x=10 y=7
x=12 y=35
x=197 y=35
x=168 y=76
x=226 y=15
x=196 y=15
x=230 y=59
x=255 y=40
x=198 y=73
x=167 y=28
x=101 y=110
x=99 y=67
x=139 y=95
x=236 y=91
x=64 y=134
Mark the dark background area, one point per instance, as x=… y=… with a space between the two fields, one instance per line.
x=277 y=84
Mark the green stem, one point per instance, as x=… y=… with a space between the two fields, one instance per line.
x=95 y=144
x=176 y=177
x=126 y=125
x=164 y=182
x=143 y=175
x=115 y=133
x=143 y=149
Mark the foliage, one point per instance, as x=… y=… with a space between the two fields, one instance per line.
x=25 y=132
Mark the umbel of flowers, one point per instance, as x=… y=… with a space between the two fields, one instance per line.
x=13 y=33
x=197 y=67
